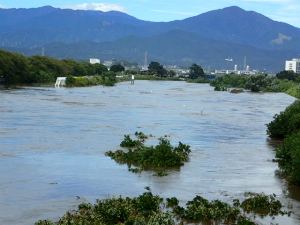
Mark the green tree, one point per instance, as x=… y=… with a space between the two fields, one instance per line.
x=156 y=69
x=117 y=68
x=172 y=73
x=196 y=71
x=256 y=83
x=290 y=75
x=100 y=68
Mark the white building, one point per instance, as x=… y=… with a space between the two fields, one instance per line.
x=293 y=65
x=94 y=61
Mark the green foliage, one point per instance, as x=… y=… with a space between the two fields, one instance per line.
x=199 y=80
x=200 y=209
x=160 y=174
x=156 y=69
x=144 y=209
x=147 y=209
x=286 y=123
x=163 y=155
x=172 y=202
x=196 y=71
x=259 y=82
x=81 y=82
x=292 y=89
x=117 y=68
x=18 y=69
x=70 y=81
x=288 y=158
x=221 y=83
x=289 y=75
x=149 y=77
x=128 y=142
x=263 y=203
x=141 y=135
x=255 y=83
x=45 y=222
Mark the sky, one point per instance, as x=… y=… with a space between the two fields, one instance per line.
x=168 y=10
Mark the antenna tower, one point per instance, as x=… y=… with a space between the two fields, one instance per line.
x=146 y=60
x=245 y=63
x=43 y=51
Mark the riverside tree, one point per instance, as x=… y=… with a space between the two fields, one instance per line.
x=196 y=71
x=156 y=69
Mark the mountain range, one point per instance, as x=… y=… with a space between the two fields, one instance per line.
x=206 y=39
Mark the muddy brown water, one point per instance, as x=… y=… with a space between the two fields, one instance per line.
x=53 y=140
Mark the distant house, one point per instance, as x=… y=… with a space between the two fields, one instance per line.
x=293 y=65
x=94 y=61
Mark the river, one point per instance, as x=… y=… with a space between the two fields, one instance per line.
x=53 y=140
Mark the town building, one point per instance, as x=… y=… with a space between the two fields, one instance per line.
x=94 y=61
x=293 y=65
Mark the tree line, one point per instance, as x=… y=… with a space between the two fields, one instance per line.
x=16 y=69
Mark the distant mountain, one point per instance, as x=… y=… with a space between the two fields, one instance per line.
x=206 y=39
x=236 y=25
x=175 y=47
x=36 y=27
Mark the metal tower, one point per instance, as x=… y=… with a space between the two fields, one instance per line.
x=146 y=60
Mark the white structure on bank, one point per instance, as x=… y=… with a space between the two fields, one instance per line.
x=293 y=65
x=94 y=61
x=60 y=81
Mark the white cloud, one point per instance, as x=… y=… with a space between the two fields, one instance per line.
x=3 y=7
x=105 y=7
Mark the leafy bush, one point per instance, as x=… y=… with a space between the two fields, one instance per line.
x=148 y=209
x=288 y=155
x=128 y=142
x=221 y=83
x=70 y=81
x=162 y=155
x=286 y=123
x=82 y=82
x=262 y=202
x=144 y=209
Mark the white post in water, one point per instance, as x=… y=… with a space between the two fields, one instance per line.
x=132 y=79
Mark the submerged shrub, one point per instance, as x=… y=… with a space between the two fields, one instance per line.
x=128 y=142
x=267 y=203
x=162 y=155
x=148 y=209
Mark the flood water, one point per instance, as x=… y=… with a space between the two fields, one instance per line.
x=53 y=140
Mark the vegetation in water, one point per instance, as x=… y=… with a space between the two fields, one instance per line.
x=221 y=83
x=160 y=174
x=288 y=158
x=149 y=209
x=163 y=155
x=262 y=204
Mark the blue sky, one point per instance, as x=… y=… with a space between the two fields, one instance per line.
x=168 y=10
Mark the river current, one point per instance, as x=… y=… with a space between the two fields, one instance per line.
x=53 y=143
